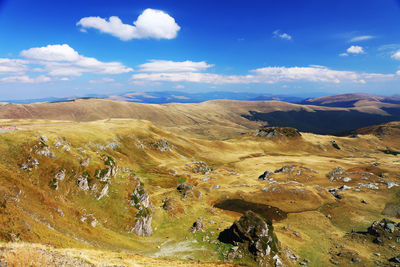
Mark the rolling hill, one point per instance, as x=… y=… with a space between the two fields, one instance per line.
x=217 y=119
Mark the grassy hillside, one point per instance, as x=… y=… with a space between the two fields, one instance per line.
x=37 y=206
x=218 y=119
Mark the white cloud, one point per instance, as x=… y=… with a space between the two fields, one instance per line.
x=311 y=74
x=355 y=49
x=25 y=79
x=103 y=80
x=63 y=60
x=278 y=34
x=189 y=77
x=267 y=75
x=150 y=24
x=179 y=86
x=361 y=38
x=396 y=55
x=12 y=66
x=173 y=66
x=51 y=53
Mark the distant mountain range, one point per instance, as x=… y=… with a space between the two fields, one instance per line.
x=163 y=97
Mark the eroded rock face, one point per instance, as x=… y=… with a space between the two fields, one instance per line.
x=141 y=201
x=83 y=183
x=143 y=226
x=103 y=193
x=60 y=175
x=254 y=234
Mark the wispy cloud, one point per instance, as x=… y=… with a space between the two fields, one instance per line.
x=279 y=34
x=267 y=75
x=361 y=38
x=12 y=66
x=150 y=24
x=173 y=66
x=396 y=55
x=102 y=80
x=25 y=79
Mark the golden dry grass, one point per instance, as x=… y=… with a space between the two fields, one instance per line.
x=237 y=163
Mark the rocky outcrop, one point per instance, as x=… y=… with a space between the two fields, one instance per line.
x=278 y=132
x=335 y=174
x=45 y=152
x=29 y=164
x=141 y=201
x=188 y=190
x=110 y=171
x=60 y=175
x=103 y=193
x=335 y=145
x=143 y=226
x=198 y=167
x=83 y=183
x=85 y=162
x=254 y=235
x=163 y=145
x=265 y=175
x=197 y=226
x=172 y=206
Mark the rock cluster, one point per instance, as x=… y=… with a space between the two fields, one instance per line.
x=188 y=190
x=163 y=145
x=199 y=167
x=253 y=234
x=384 y=230
x=278 y=132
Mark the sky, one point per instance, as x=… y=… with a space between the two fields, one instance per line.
x=301 y=48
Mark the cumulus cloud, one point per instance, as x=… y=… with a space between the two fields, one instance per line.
x=267 y=75
x=63 y=60
x=25 y=79
x=361 y=38
x=150 y=24
x=278 y=34
x=396 y=55
x=12 y=66
x=51 y=53
x=173 y=66
x=343 y=54
x=355 y=49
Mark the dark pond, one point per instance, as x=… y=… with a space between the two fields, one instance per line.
x=266 y=211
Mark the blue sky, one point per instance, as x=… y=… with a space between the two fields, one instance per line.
x=67 y=48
